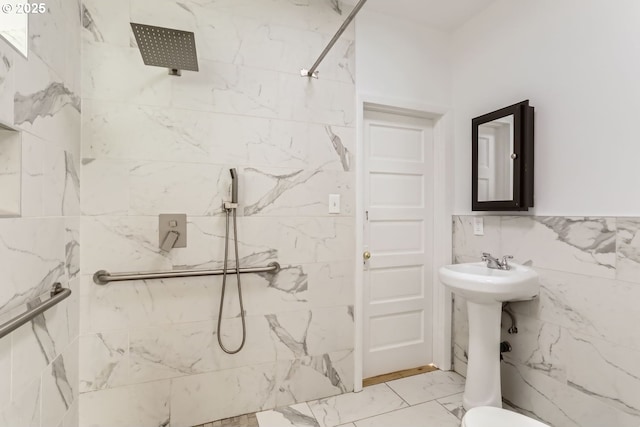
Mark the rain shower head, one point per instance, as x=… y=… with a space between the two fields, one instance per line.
x=166 y=47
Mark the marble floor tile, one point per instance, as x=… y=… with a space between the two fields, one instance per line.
x=453 y=404
x=375 y=406
x=345 y=408
x=298 y=415
x=430 y=414
x=248 y=420
x=429 y=386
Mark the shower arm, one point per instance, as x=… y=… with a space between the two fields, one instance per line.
x=312 y=72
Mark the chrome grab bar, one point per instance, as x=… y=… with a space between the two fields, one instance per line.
x=58 y=293
x=103 y=277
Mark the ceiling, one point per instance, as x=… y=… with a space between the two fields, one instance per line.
x=443 y=14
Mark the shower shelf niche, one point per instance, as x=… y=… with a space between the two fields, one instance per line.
x=10 y=171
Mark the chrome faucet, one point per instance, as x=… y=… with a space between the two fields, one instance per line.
x=495 y=262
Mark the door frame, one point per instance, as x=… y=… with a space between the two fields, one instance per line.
x=442 y=237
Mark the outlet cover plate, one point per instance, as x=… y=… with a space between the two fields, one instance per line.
x=478 y=226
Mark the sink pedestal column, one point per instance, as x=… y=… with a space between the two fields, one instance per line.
x=482 y=387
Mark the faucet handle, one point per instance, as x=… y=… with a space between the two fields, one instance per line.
x=169 y=241
x=505 y=261
x=485 y=254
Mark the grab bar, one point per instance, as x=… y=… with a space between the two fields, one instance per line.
x=58 y=293
x=103 y=277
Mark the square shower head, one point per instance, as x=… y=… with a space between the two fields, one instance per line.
x=166 y=47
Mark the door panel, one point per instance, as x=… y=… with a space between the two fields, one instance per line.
x=407 y=146
x=396 y=260
x=394 y=236
x=391 y=284
x=388 y=189
x=398 y=232
x=396 y=330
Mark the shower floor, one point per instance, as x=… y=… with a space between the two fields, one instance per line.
x=432 y=399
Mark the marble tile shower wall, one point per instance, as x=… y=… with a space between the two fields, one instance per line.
x=39 y=96
x=575 y=357
x=158 y=144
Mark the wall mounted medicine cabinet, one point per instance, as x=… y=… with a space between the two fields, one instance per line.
x=502 y=153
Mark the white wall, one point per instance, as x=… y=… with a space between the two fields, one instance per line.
x=578 y=63
x=402 y=60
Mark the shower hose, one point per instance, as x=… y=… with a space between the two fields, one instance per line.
x=224 y=283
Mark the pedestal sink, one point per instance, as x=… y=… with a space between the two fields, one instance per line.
x=485 y=289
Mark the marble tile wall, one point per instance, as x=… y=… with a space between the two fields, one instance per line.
x=154 y=144
x=39 y=240
x=575 y=357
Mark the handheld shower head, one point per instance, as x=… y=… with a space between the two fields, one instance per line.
x=234 y=185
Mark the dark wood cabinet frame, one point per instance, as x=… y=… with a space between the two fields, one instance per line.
x=522 y=164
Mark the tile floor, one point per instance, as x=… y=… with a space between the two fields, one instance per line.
x=433 y=399
x=248 y=420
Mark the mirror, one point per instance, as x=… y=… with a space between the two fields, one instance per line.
x=495 y=168
x=502 y=153
x=14 y=26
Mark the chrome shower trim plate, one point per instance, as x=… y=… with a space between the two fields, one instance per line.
x=305 y=73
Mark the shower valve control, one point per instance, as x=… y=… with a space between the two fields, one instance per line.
x=172 y=231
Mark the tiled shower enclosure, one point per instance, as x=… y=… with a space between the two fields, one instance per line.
x=158 y=144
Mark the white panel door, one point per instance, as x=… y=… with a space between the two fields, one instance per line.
x=398 y=229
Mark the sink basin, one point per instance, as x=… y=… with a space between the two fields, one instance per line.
x=485 y=289
x=477 y=282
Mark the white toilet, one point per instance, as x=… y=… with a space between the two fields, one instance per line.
x=489 y=416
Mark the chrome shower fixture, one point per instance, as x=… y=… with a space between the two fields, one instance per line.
x=233 y=204
x=234 y=185
x=231 y=208
x=313 y=71
x=166 y=47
